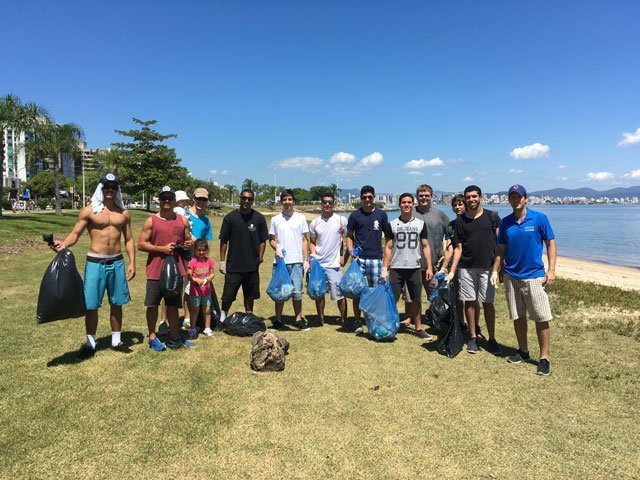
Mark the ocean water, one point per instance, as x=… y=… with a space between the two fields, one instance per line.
x=601 y=233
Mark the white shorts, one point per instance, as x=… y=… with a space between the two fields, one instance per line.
x=334 y=275
x=527 y=296
x=475 y=285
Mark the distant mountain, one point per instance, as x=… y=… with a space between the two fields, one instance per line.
x=586 y=192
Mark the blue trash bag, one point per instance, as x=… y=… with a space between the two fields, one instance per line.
x=280 y=287
x=317 y=283
x=439 y=277
x=381 y=313
x=353 y=283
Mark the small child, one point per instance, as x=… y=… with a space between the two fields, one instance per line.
x=201 y=273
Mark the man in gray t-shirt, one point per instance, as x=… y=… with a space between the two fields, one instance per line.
x=407 y=242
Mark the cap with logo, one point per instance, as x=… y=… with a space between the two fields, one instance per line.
x=519 y=189
x=201 y=193
x=109 y=178
x=166 y=190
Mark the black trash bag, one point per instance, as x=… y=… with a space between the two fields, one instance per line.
x=451 y=340
x=170 y=279
x=438 y=312
x=243 y=324
x=61 y=290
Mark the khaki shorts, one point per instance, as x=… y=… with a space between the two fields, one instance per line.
x=527 y=297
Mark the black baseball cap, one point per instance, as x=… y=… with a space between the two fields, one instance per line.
x=109 y=178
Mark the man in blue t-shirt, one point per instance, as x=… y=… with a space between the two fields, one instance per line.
x=520 y=240
x=365 y=228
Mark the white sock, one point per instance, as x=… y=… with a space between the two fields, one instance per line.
x=91 y=341
x=249 y=312
x=223 y=315
x=115 y=339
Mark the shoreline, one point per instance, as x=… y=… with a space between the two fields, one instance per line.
x=626 y=278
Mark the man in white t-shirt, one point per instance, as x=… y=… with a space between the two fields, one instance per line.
x=288 y=237
x=327 y=232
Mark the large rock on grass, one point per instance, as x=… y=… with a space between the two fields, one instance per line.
x=268 y=351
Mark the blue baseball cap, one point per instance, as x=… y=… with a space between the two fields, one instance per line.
x=519 y=189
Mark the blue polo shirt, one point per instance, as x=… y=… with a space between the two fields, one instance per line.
x=200 y=227
x=368 y=228
x=523 y=253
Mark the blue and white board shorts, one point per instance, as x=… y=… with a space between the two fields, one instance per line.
x=105 y=273
x=371 y=269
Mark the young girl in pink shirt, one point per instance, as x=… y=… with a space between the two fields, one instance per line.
x=201 y=273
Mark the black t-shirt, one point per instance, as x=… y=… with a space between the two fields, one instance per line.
x=478 y=238
x=13 y=194
x=244 y=234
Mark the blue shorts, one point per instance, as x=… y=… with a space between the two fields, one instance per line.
x=203 y=301
x=371 y=269
x=109 y=275
x=296 y=273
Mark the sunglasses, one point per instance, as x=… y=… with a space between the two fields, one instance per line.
x=327 y=202
x=367 y=197
x=167 y=199
x=202 y=199
x=110 y=187
x=246 y=199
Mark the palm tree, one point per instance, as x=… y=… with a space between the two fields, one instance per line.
x=232 y=191
x=20 y=117
x=52 y=141
x=252 y=184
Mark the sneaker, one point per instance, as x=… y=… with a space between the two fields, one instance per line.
x=193 y=334
x=277 y=324
x=357 y=327
x=179 y=343
x=121 y=347
x=301 y=325
x=186 y=323
x=494 y=347
x=520 y=356
x=543 y=367
x=208 y=332
x=85 y=352
x=472 y=346
x=156 y=345
x=423 y=335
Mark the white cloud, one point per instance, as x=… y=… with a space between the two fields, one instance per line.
x=414 y=172
x=306 y=164
x=213 y=172
x=342 y=158
x=456 y=160
x=372 y=160
x=515 y=170
x=633 y=174
x=561 y=179
x=536 y=150
x=436 y=174
x=562 y=167
x=468 y=179
x=422 y=163
x=225 y=172
x=629 y=138
x=600 y=176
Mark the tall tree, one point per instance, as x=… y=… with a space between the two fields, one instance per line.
x=147 y=164
x=20 y=117
x=233 y=190
x=52 y=141
x=252 y=184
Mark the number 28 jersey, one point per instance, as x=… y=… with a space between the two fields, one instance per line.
x=407 y=242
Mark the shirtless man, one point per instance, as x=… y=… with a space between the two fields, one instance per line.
x=107 y=222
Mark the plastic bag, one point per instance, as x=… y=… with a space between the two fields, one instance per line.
x=317 y=283
x=280 y=287
x=61 y=290
x=438 y=312
x=353 y=283
x=450 y=338
x=380 y=312
x=439 y=277
x=214 y=311
x=170 y=278
x=243 y=324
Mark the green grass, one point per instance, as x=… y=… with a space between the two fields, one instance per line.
x=344 y=407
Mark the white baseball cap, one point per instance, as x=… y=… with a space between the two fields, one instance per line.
x=181 y=195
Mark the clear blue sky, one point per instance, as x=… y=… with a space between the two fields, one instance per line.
x=449 y=93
